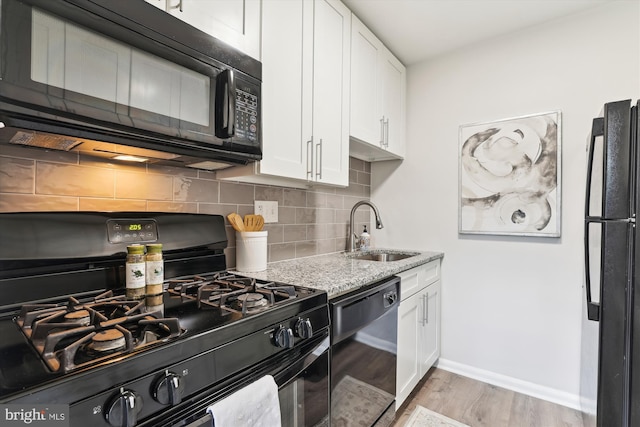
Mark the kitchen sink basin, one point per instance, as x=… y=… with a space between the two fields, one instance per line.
x=382 y=256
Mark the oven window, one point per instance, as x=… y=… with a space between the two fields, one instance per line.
x=304 y=401
x=70 y=57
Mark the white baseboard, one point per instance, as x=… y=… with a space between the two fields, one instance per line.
x=531 y=389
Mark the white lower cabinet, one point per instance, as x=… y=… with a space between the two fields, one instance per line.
x=418 y=326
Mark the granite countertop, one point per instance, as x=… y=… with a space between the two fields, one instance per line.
x=339 y=273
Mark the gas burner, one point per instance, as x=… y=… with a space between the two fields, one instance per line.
x=108 y=340
x=81 y=317
x=251 y=301
x=76 y=334
x=230 y=293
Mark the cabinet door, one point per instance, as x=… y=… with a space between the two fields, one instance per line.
x=430 y=327
x=393 y=103
x=236 y=22
x=366 y=108
x=286 y=88
x=331 y=75
x=409 y=329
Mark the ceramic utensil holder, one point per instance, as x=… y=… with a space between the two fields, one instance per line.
x=251 y=251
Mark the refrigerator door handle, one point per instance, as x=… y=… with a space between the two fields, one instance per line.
x=597 y=130
x=593 y=308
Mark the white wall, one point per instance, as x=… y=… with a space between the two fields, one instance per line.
x=512 y=306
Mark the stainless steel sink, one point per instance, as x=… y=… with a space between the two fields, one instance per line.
x=382 y=256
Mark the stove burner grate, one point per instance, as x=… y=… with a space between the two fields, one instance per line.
x=73 y=335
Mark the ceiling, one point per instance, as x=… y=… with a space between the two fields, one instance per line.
x=417 y=30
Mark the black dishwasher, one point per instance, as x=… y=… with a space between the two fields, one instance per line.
x=364 y=337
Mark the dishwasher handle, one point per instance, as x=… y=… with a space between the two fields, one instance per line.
x=355 y=311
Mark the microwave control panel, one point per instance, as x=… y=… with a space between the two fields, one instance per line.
x=247 y=114
x=132 y=230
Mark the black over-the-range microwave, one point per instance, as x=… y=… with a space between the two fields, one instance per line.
x=111 y=78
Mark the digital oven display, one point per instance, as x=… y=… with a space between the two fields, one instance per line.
x=132 y=230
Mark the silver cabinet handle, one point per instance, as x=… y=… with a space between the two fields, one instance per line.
x=319 y=160
x=310 y=159
x=425 y=312
x=382 y=132
x=386 y=133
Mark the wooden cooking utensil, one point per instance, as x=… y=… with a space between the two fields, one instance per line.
x=253 y=222
x=236 y=222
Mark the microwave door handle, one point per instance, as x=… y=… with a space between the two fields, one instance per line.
x=225 y=104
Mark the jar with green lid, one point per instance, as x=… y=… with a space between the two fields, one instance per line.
x=154 y=269
x=135 y=272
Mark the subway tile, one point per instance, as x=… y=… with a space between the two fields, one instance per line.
x=156 y=206
x=282 y=251
x=29 y=203
x=363 y=178
x=325 y=216
x=91 y=204
x=187 y=189
x=270 y=194
x=316 y=200
x=286 y=215
x=307 y=248
x=131 y=185
x=337 y=230
x=72 y=180
x=356 y=164
x=326 y=246
x=335 y=201
x=294 y=197
x=295 y=233
x=42 y=154
x=233 y=192
x=275 y=233
x=317 y=231
x=306 y=215
x=17 y=175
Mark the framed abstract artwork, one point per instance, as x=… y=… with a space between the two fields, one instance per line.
x=510 y=176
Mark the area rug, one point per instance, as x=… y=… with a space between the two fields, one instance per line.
x=423 y=417
x=354 y=403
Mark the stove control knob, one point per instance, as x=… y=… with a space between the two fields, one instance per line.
x=283 y=337
x=303 y=328
x=123 y=409
x=168 y=389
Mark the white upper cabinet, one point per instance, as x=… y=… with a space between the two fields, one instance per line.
x=378 y=91
x=305 y=95
x=235 y=22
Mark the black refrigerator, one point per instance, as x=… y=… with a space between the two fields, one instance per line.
x=612 y=252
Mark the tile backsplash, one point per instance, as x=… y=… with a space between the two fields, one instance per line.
x=310 y=222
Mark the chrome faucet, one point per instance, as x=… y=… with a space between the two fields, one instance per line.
x=352 y=233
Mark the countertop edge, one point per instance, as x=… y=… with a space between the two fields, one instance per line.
x=339 y=273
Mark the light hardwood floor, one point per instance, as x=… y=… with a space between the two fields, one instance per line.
x=478 y=404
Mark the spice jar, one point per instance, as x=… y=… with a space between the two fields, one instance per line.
x=155 y=269
x=135 y=272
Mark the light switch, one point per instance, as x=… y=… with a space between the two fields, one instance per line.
x=268 y=210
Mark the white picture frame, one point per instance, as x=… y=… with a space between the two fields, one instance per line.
x=510 y=176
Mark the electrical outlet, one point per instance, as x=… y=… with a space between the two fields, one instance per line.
x=268 y=210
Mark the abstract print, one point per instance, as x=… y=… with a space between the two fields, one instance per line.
x=510 y=176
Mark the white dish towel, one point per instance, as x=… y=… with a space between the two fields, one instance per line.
x=252 y=406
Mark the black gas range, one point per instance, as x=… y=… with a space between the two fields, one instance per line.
x=72 y=337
